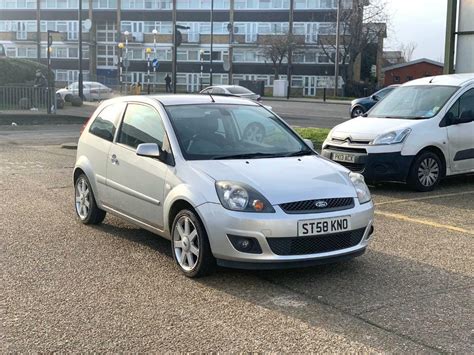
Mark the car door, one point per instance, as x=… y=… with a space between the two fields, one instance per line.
x=96 y=143
x=461 y=133
x=136 y=183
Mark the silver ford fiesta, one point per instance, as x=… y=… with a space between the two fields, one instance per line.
x=225 y=179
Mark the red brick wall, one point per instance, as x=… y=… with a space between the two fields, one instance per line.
x=410 y=72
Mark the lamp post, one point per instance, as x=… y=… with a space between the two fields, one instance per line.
x=48 y=53
x=126 y=33
x=338 y=31
x=155 y=33
x=80 y=81
x=201 y=57
x=148 y=51
x=120 y=46
x=212 y=40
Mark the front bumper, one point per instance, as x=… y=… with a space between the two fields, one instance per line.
x=375 y=166
x=220 y=222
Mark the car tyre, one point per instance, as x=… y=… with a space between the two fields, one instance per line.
x=425 y=172
x=190 y=245
x=357 y=111
x=85 y=205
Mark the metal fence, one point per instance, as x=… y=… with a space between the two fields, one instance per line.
x=22 y=98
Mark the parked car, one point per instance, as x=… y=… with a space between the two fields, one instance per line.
x=364 y=104
x=183 y=167
x=420 y=133
x=92 y=91
x=231 y=90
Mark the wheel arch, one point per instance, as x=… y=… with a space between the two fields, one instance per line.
x=83 y=167
x=435 y=150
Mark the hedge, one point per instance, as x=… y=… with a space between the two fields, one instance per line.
x=14 y=71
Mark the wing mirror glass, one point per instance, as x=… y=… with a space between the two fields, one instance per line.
x=375 y=98
x=150 y=150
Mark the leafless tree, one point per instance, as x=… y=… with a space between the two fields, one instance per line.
x=275 y=48
x=361 y=25
x=407 y=50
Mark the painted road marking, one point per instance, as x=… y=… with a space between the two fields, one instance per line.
x=425 y=198
x=421 y=221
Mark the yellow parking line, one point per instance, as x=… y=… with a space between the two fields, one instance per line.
x=425 y=198
x=421 y=221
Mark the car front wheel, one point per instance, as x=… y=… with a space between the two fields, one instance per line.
x=357 y=111
x=190 y=245
x=426 y=172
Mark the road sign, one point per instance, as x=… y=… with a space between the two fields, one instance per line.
x=155 y=63
x=87 y=24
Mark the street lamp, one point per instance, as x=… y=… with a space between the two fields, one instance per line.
x=126 y=34
x=49 y=50
x=155 y=33
x=201 y=56
x=120 y=46
x=148 y=51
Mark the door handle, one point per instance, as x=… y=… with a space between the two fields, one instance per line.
x=114 y=159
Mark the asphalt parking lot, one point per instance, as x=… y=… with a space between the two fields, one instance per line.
x=114 y=287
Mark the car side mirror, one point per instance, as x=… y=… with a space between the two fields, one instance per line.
x=150 y=150
x=375 y=98
x=309 y=143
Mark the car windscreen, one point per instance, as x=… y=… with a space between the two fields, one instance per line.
x=413 y=102
x=224 y=131
x=238 y=90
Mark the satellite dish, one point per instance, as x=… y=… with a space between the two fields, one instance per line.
x=87 y=24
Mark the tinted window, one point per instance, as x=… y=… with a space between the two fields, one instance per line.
x=466 y=105
x=105 y=123
x=382 y=93
x=141 y=124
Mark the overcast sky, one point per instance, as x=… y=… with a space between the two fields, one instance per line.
x=419 y=21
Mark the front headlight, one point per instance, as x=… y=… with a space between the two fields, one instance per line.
x=363 y=193
x=237 y=196
x=329 y=137
x=394 y=137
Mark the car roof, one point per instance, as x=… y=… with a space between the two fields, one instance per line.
x=196 y=99
x=226 y=86
x=449 y=80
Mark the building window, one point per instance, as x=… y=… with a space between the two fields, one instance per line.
x=396 y=79
x=409 y=78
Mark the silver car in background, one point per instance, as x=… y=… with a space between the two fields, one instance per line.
x=187 y=167
x=231 y=90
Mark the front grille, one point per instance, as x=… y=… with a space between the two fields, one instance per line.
x=346 y=149
x=309 y=206
x=361 y=142
x=315 y=244
x=357 y=168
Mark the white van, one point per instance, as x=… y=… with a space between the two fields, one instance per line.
x=421 y=132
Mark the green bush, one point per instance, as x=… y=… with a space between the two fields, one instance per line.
x=14 y=71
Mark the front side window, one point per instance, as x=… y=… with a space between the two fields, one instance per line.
x=141 y=124
x=413 y=102
x=223 y=131
x=105 y=123
x=463 y=109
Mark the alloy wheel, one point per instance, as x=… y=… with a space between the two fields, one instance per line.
x=357 y=112
x=428 y=172
x=186 y=243
x=83 y=198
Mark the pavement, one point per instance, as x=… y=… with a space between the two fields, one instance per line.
x=114 y=287
x=297 y=112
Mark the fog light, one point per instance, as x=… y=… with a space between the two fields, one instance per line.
x=245 y=244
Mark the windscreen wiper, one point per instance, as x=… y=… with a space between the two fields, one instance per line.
x=247 y=156
x=300 y=153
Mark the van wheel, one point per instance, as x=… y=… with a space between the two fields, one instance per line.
x=425 y=172
x=86 y=207
x=190 y=245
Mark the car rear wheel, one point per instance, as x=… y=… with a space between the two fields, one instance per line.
x=86 y=207
x=357 y=111
x=190 y=245
x=426 y=172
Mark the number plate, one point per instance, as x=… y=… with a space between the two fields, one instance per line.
x=324 y=226
x=348 y=158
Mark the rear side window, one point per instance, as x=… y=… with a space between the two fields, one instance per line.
x=105 y=124
x=141 y=124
